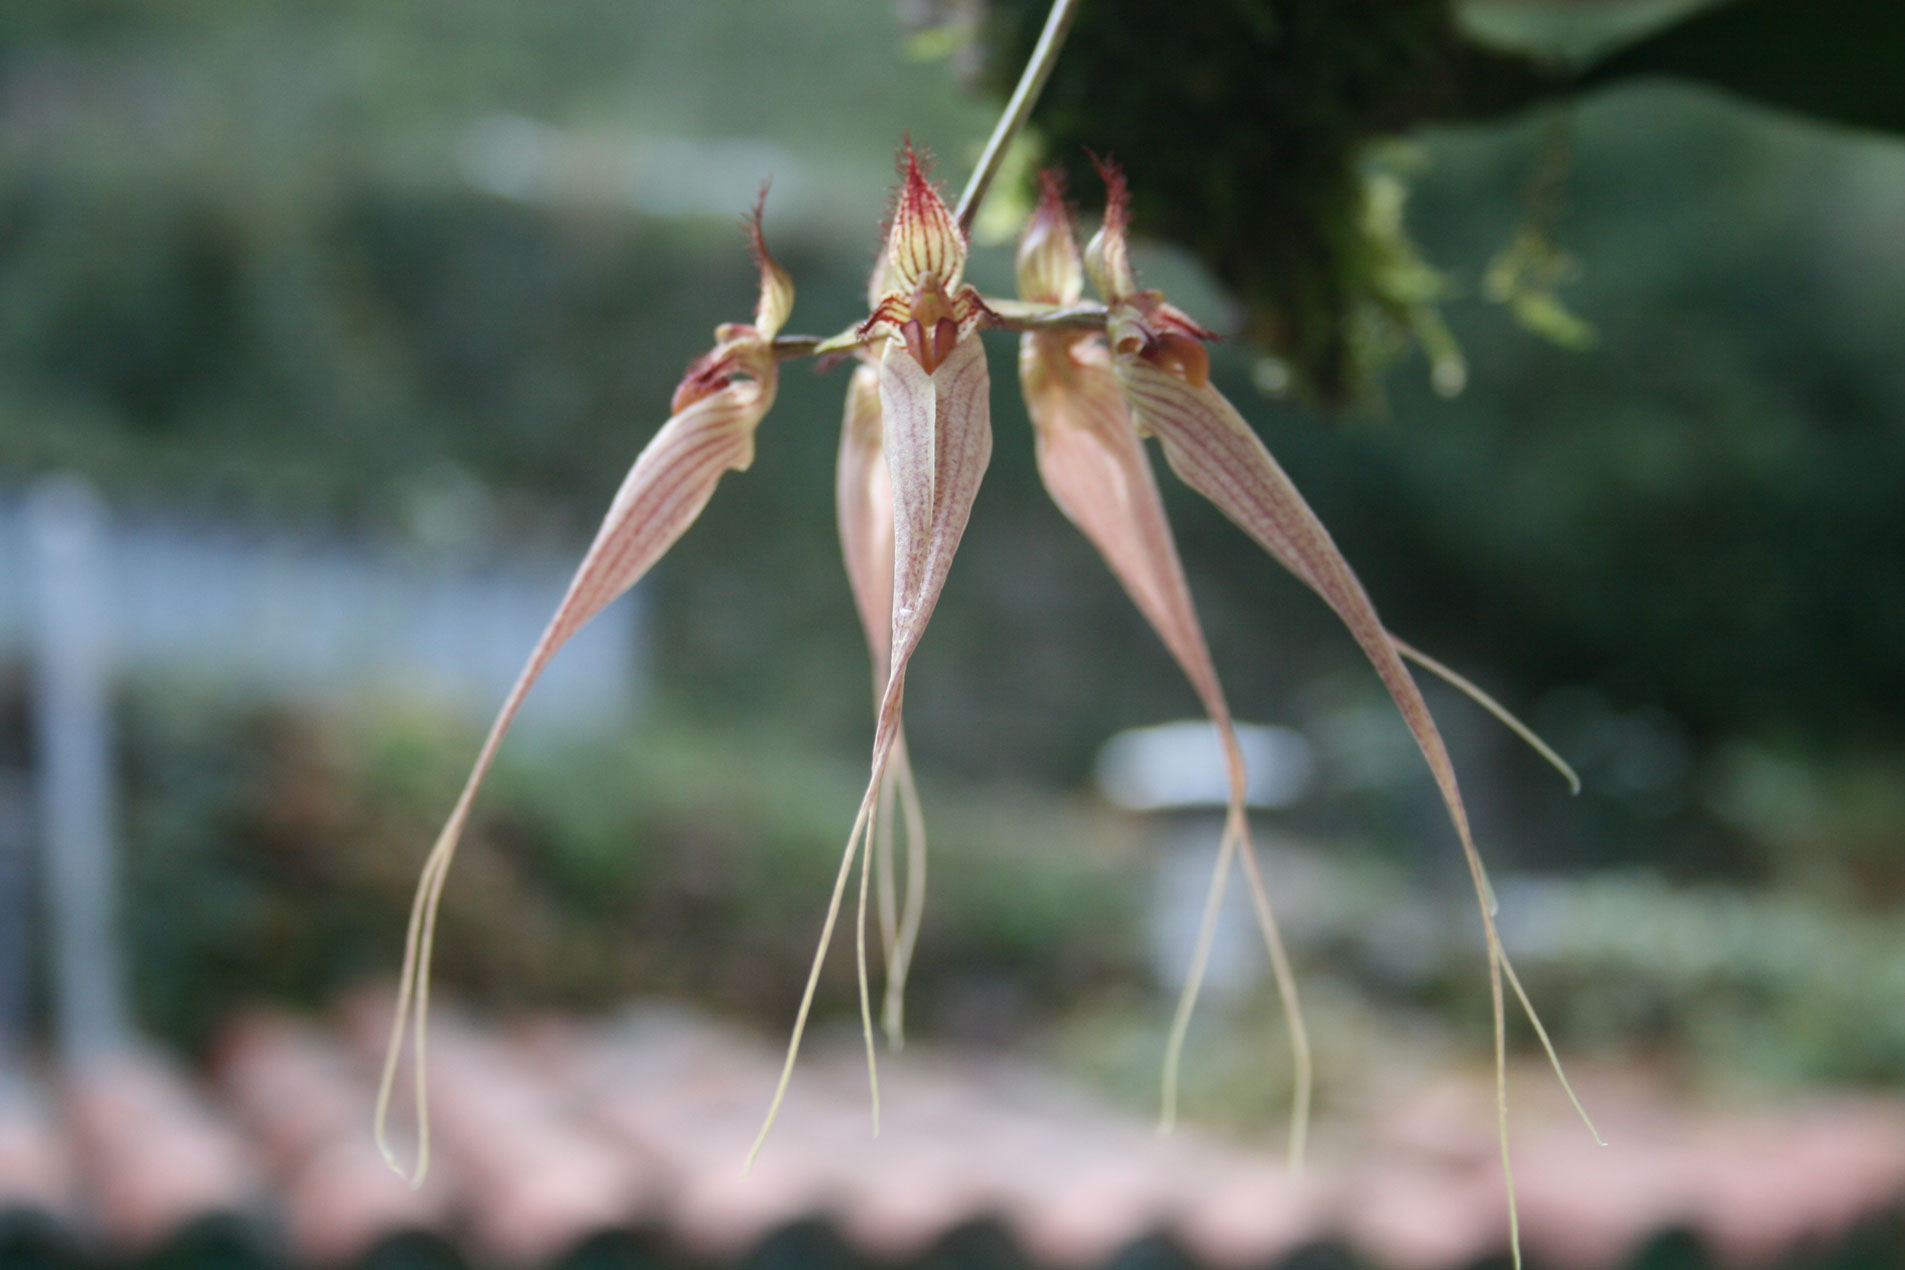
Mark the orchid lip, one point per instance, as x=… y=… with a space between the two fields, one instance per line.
x=1181 y=355
x=931 y=330
x=930 y=350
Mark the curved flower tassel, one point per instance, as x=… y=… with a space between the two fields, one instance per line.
x=717 y=406
x=1093 y=464
x=864 y=507
x=937 y=437
x=1161 y=365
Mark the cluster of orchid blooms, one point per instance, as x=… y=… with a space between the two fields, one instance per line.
x=1098 y=379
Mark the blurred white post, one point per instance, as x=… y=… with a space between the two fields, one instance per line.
x=15 y=910
x=65 y=525
x=1178 y=769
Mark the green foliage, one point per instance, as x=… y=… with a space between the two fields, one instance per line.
x=1243 y=125
x=1715 y=987
x=274 y=854
x=247 y=252
x=264 y=281
x=1525 y=276
x=1675 y=492
x=1833 y=59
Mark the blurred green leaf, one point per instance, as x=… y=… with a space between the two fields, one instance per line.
x=1524 y=276
x=1837 y=59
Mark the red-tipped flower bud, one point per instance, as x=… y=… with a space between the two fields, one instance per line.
x=924 y=243
x=1048 y=264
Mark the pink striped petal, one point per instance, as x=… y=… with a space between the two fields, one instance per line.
x=672 y=480
x=1093 y=463
x=864 y=506
x=937 y=433
x=1161 y=364
x=1209 y=445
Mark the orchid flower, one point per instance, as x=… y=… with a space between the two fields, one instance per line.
x=1160 y=364
x=1092 y=460
x=720 y=400
x=920 y=351
x=864 y=506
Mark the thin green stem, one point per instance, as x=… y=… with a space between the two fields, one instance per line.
x=1037 y=68
x=788 y=348
x=1031 y=315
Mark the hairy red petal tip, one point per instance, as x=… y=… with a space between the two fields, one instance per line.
x=1117 y=192
x=1106 y=256
x=1047 y=260
x=909 y=163
x=777 y=289
x=924 y=239
x=756 y=240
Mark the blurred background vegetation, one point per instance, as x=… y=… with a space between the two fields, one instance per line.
x=312 y=265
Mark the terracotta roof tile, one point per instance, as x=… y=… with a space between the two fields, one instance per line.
x=153 y=1154
x=36 y=1168
x=302 y=1099
x=536 y=1179
x=556 y=1135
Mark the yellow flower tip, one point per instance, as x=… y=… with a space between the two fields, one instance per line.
x=1107 y=258
x=924 y=242
x=777 y=289
x=1048 y=265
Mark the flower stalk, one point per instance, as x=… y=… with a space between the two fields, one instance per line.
x=1038 y=68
